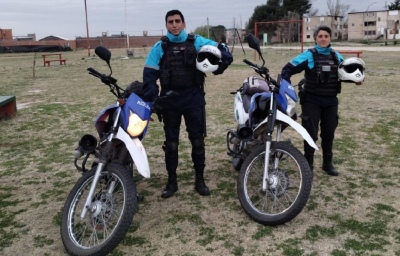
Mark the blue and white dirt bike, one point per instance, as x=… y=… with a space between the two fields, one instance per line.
x=100 y=207
x=275 y=180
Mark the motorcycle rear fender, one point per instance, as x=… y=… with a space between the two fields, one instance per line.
x=300 y=129
x=137 y=152
x=240 y=114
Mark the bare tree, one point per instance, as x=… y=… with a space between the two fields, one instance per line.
x=335 y=8
x=312 y=12
x=395 y=31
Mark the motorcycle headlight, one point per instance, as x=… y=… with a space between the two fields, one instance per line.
x=291 y=106
x=136 y=125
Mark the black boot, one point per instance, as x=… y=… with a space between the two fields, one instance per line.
x=172 y=186
x=309 y=155
x=310 y=160
x=200 y=186
x=328 y=167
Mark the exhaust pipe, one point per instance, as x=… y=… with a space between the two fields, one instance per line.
x=244 y=132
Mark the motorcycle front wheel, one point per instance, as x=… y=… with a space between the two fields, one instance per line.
x=288 y=186
x=109 y=216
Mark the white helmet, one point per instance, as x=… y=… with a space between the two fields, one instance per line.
x=208 y=58
x=352 y=70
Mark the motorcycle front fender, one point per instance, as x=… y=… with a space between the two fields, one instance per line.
x=137 y=152
x=298 y=127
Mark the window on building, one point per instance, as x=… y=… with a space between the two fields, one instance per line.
x=370 y=33
x=369 y=23
x=308 y=36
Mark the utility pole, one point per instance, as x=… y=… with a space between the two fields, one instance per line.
x=87 y=31
x=127 y=34
x=208 y=29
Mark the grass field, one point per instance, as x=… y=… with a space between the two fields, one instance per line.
x=356 y=213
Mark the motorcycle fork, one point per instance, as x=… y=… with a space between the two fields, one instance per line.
x=102 y=163
x=269 y=130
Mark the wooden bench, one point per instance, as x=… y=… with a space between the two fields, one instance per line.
x=47 y=58
x=358 y=53
x=8 y=106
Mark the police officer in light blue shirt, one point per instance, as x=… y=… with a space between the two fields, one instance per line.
x=172 y=60
x=318 y=100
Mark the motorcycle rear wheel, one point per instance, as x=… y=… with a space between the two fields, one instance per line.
x=109 y=217
x=288 y=189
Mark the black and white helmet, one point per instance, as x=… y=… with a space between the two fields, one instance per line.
x=352 y=70
x=208 y=58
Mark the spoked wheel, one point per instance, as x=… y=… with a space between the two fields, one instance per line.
x=109 y=216
x=288 y=185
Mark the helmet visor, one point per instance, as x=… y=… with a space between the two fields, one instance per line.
x=206 y=55
x=353 y=67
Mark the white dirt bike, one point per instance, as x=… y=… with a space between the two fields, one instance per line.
x=275 y=180
x=100 y=207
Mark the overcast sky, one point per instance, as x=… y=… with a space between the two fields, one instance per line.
x=66 y=18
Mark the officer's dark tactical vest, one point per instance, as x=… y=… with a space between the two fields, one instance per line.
x=313 y=84
x=178 y=65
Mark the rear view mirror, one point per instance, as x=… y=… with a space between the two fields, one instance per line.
x=253 y=42
x=103 y=53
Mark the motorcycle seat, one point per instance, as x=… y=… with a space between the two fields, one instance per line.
x=246 y=102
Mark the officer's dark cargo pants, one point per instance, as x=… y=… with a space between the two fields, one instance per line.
x=194 y=121
x=327 y=116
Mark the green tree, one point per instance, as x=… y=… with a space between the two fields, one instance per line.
x=264 y=13
x=277 y=10
x=217 y=33
x=203 y=31
x=395 y=5
x=299 y=6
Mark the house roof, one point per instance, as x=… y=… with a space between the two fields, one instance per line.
x=52 y=37
x=372 y=9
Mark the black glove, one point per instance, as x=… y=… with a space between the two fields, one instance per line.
x=226 y=59
x=302 y=94
x=221 y=68
x=157 y=108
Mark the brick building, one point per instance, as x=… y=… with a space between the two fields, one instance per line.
x=119 y=41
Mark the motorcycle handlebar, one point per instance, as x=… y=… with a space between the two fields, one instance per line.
x=94 y=72
x=273 y=81
x=104 y=78
x=263 y=71
x=250 y=63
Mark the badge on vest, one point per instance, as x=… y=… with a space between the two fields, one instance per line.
x=324 y=74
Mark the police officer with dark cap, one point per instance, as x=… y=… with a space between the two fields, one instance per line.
x=173 y=61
